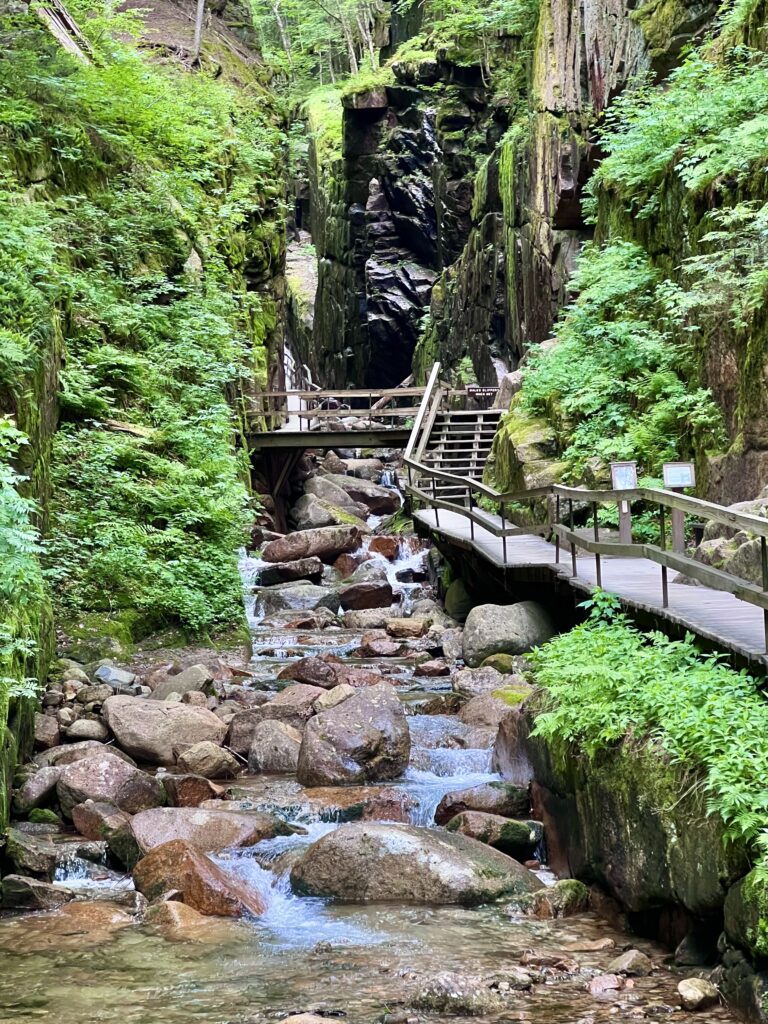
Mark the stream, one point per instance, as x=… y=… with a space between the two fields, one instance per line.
x=361 y=963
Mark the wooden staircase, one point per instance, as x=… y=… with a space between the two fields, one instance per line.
x=460 y=443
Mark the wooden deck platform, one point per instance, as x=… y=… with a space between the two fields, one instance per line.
x=718 y=617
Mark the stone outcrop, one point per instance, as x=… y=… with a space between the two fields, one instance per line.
x=376 y=863
x=504 y=629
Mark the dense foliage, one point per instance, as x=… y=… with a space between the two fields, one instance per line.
x=153 y=188
x=616 y=385
x=605 y=682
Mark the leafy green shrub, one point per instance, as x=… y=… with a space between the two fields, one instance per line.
x=709 y=123
x=616 y=384
x=606 y=681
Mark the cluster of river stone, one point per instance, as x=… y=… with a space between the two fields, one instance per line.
x=137 y=771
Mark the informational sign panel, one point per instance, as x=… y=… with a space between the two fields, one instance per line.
x=679 y=474
x=484 y=397
x=624 y=476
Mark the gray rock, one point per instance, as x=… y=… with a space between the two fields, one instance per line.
x=47 y=733
x=311 y=512
x=309 y=569
x=190 y=679
x=632 y=962
x=476 y=682
x=299 y=596
x=505 y=629
x=458 y=601
x=375 y=863
x=36 y=790
x=327 y=544
x=22 y=893
x=275 y=747
x=157 y=731
x=94 y=694
x=209 y=760
x=378 y=500
x=68 y=753
x=118 y=678
x=31 y=854
x=87 y=729
x=502 y=798
x=363 y=739
x=697 y=993
x=323 y=487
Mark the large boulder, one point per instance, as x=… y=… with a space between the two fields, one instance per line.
x=68 y=753
x=502 y=798
x=380 y=501
x=374 y=863
x=108 y=779
x=323 y=487
x=505 y=629
x=475 y=682
x=187 y=681
x=158 y=731
x=36 y=790
x=297 y=597
x=312 y=512
x=310 y=569
x=363 y=739
x=275 y=747
x=204 y=828
x=209 y=760
x=519 y=839
x=326 y=544
x=372 y=594
x=201 y=884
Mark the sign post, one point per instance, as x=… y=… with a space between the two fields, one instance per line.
x=624 y=478
x=484 y=397
x=678 y=476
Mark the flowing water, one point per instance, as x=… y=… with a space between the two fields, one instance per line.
x=351 y=961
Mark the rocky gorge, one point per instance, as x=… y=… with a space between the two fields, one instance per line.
x=347 y=799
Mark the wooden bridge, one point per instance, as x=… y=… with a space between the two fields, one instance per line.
x=661 y=582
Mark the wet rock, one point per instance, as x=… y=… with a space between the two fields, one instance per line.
x=507 y=664
x=604 y=983
x=202 y=885
x=275 y=747
x=632 y=962
x=305 y=596
x=36 y=790
x=96 y=819
x=294 y=705
x=697 y=993
x=94 y=694
x=310 y=569
x=697 y=948
x=68 y=753
x=87 y=729
x=335 y=696
x=442 y=704
x=505 y=629
x=452 y=643
x=432 y=669
x=563 y=899
x=372 y=646
x=494 y=797
x=358 y=596
x=190 y=679
x=324 y=488
x=364 y=469
x=178 y=922
x=387 y=547
x=47 y=732
x=368 y=618
x=388 y=804
x=31 y=854
x=351 y=675
x=364 y=739
x=404 y=863
x=483 y=712
x=312 y=512
x=406 y=629
x=380 y=501
x=318 y=670
x=472 y=682
x=117 y=678
x=109 y=779
x=157 y=731
x=326 y=544
x=209 y=760
x=189 y=790
x=462 y=994
x=518 y=839
x=458 y=601
x=20 y=892
x=207 y=829
x=345 y=565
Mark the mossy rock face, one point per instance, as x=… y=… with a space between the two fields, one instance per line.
x=633 y=822
x=746 y=915
x=507 y=664
x=96 y=635
x=44 y=816
x=458 y=602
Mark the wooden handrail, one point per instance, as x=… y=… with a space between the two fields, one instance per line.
x=425 y=403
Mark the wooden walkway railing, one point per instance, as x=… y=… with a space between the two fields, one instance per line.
x=558 y=507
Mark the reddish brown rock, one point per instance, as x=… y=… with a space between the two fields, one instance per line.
x=107 y=778
x=374 y=646
x=207 y=829
x=360 y=596
x=432 y=669
x=47 y=732
x=202 y=885
x=406 y=629
x=345 y=565
x=502 y=798
x=189 y=790
x=389 y=547
x=98 y=819
x=319 y=670
x=325 y=543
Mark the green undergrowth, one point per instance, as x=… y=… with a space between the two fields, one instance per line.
x=618 y=383
x=606 y=682
x=139 y=198
x=323 y=111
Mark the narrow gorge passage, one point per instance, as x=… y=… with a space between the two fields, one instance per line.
x=537 y=953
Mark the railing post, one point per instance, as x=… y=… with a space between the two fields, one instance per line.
x=596 y=531
x=504 y=534
x=434 y=498
x=471 y=521
x=557 y=523
x=764 y=560
x=663 y=545
x=573 y=542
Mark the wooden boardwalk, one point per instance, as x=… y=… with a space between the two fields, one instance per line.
x=714 y=615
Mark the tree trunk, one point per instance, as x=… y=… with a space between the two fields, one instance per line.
x=198 y=38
